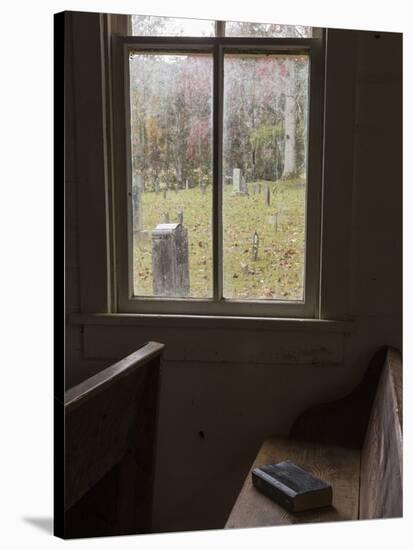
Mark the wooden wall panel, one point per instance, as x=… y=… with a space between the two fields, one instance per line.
x=212 y=345
x=340 y=108
x=90 y=170
x=377 y=194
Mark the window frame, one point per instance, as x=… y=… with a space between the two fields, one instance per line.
x=217 y=305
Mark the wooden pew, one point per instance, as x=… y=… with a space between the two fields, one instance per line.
x=354 y=443
x=110 y=429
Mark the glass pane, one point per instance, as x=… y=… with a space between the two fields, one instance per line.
x=265 y=175
x=171 y=145
x=151 y=25
x=242 y=29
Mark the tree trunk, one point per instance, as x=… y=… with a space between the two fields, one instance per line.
x=289 y=124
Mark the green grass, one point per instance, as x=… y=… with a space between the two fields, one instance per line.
x=277 y=273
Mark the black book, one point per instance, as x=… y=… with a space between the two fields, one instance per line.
x=292 y=487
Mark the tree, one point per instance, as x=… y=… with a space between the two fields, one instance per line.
x=266 y=30
x=171 y=116
x=289 y=121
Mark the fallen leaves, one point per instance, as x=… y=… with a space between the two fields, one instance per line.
x=276 y=274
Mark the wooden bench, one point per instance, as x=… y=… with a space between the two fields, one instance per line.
x=354 y=443
x=110 y=427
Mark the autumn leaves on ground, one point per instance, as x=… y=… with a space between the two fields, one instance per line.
x=278 y=270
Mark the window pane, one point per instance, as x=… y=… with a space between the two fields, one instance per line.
x=171 y=194
x=242 y=29
x=265 y=173
x=151 y=25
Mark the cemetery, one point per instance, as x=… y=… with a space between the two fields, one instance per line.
x=264 y=164
x=269 y=267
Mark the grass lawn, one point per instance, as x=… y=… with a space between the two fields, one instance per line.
x=277 y=273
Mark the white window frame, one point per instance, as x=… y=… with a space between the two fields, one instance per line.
x=217 y=305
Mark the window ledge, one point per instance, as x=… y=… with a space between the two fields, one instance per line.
x=210 y=321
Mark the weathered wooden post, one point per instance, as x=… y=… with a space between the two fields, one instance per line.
x=170 y=262
x=255 y=244
x=268 y=196
x=136 y=202
x=164 y=193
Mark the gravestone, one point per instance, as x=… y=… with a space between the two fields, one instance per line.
x=136 y=202
x=170 y=265
x=181 y=217
x=273 y=220
x=156 y=186
x=236 y=181
x=239 y=183
x=186 y=185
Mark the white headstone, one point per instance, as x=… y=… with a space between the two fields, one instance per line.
x=236 y=180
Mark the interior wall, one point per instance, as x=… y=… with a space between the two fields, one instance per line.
x=376 y=229
x=225 y=387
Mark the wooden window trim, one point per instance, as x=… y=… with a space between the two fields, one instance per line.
x=217 y=46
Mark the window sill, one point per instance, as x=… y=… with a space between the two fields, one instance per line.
x=210 y=321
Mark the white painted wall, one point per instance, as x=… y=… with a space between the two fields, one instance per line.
x=238 y=385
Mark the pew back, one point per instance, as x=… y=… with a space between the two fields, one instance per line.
x=110 y=424
x=381 y=475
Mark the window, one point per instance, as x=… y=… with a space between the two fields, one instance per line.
x=150 y=25
x=219 y=169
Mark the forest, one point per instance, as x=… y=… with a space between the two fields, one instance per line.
x=265 y=117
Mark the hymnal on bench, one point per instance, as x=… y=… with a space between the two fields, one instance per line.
x=292 y=487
